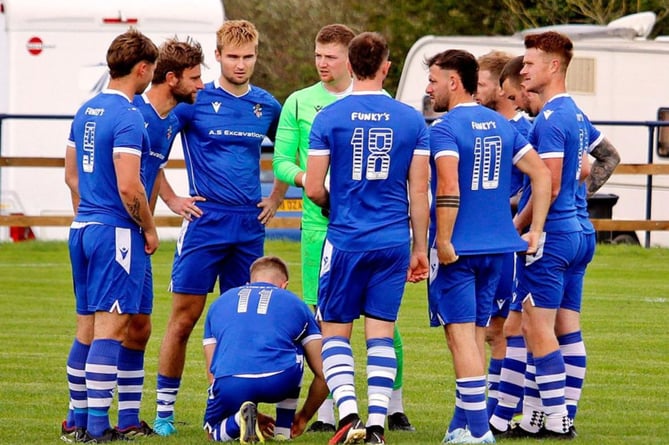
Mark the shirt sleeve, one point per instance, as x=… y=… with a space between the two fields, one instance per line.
x=284 y=161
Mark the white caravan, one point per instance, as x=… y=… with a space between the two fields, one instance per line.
x=615 y=75
x=52 y=59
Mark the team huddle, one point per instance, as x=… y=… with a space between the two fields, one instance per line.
x=486 y=204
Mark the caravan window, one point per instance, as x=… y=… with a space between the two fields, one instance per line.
x=663 y=133
x=581 y=75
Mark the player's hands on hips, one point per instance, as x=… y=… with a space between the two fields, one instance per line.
x=151 y=241
x=446 y=252
x=186 y=206
x=419 y=267
x=269 y=207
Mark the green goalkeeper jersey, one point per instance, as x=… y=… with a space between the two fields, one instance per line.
x=291 y=144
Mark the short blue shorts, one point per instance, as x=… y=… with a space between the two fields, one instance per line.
x=505 y=287
x=573 y=286
x=221 y=244
x=361 y=283
x=108 y=267
x=542 y=277
x=463 y=292
x=227 y=394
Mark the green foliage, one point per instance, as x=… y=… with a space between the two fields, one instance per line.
x=624 y=319
x=288 y=27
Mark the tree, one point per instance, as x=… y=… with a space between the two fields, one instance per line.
x=288 y=27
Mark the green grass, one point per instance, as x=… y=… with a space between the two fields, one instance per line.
x=626 y=306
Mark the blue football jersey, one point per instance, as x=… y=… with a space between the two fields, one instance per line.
x=161 y=131
x=486 y=146
x=371 y=139
x=258 y=328
x=106 y=124
x=523 y=125
x=561 y=130
x=222 y=136
x=582 y=213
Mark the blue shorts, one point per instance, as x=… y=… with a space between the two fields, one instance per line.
x=573 y=285
x=146 y=301
x=221 y=244
x=542 y=276
x=504 y=292
x=108 y=267
x=516 y=303
x=361 y=283
x=463 y=292
x=227 y=394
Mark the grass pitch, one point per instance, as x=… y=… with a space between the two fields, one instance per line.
x=625 y=399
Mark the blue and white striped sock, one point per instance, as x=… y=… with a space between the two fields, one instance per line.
x=340 y=374
x=167 y=389
x=533 y=414
x=472 y=395
x=459 y=419
x=511 y=383
x=381 y=372
x=572 y=348
x=551 y=378
x=494 y=371
x=101 y=374
x=130 y=386
x=76 y=383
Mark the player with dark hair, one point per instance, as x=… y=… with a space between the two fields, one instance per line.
x=473 y=149
x=290 y=163
x=177 y=79
x=112 y=234
x=490 y=94
x=377 y=152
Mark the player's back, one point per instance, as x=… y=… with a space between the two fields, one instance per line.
x=486 y=146
x=106 y=124
x=371 y=139
x=258 y=328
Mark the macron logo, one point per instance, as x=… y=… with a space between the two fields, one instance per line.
x=124 y=252
x=216 y=105
x=547 y=114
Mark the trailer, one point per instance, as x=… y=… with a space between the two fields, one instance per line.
x=617 y=76
x=52 y=59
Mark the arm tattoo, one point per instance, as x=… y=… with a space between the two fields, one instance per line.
x=606 y=160
x=134 y=206
x=447 y=201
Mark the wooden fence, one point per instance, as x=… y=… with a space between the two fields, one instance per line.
x=294 y=223
x=65 y=220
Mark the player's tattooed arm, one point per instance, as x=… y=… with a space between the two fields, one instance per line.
x=606 y=160
x=134 y=208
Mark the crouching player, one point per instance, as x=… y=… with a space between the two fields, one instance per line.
x=255 y=340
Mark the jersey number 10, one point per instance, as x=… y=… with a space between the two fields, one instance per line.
x=487 y=163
